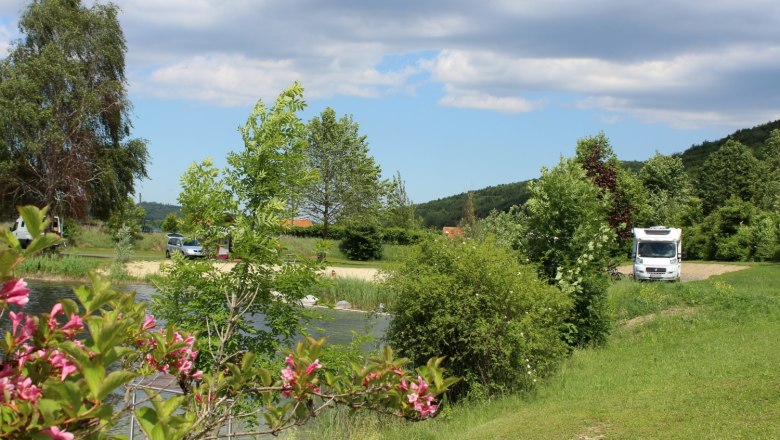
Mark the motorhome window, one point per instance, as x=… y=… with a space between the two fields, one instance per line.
x=657 y=250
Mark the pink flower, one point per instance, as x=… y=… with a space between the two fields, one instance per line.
x=148 y=323
x=198 y=375
x=56 y=310
x=288 y=376
x=15 y=292
x=289 y=360
x=59 y=361
x=56 y=434
x=316 y=365
x=75 y=324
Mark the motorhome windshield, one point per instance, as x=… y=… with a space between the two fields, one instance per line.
x=657 y=250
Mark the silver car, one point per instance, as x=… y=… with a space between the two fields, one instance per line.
x=189 y=247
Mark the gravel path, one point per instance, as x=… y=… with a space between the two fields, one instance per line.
x=691 y=271
x=696 y=271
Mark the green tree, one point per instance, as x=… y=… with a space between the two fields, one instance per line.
x=468 y=216
x=270 y=169
x=399 y=210
x=567 y=235
x=126 y=216
x=64 y=112
x=669 y=189
x=348 y=184
x=171 y=223
x=768 y=193
x=732 y=171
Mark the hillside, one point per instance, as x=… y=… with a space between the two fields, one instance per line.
x=156 y=212
x=693 y=158
x=447 y=211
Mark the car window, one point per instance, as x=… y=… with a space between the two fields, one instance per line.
x=191 y=242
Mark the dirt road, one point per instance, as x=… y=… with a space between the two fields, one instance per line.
x=691 y=271
x=696 y=271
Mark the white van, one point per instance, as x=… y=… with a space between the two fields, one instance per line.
x=23 y=235
x=657 y=253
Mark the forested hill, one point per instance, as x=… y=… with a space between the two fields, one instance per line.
x=156 y=212
x=448 y=211
x=693 y=158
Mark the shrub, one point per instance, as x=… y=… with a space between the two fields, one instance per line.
x=498 y=325
x=362 y=243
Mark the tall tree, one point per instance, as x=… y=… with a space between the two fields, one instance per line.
x=399 y=209
x=349 y=184
x=669 y=189
x=732 y=171
x=468 y=216
x=64 y=112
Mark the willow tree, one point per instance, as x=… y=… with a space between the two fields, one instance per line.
x=64 y=113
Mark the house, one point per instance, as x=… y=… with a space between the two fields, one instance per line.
x=298 y=223
x=452 y=231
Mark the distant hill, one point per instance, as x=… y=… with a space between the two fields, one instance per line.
x=156 y=212
x=448 y=210
x=693 y=158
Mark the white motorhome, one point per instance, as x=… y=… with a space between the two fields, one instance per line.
x=21 y=233
x=657 y=253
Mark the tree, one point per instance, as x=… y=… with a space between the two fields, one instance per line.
x=270 y=169
x=669 y=189
x=171 y=223
x=567 y=235
x=468 y=216
x=126 y=215
x=595 y=155
x=64 y=112
x=348 y=184
x=399 y=209
x=732 y=171
x=768 y=194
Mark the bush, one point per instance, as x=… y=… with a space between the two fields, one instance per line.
x=362 y=243
x=498 y=325
x=402 y=236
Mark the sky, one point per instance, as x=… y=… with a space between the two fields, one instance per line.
x=454 y=95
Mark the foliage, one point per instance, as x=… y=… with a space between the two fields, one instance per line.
x=507 y=228
x=468 y=217
x=399 y=211
x=171 y=223
x=64 y=113
x=732 y=171
x=595 y=155
x=362 y=242
x=362 y=295
x=498 y=325
x=570 y=240
x=126 y=216
x=56 y=379
x=270 y=170
x=669 y=190
x=348 y=184
x=157 y=212
x=448 y=211
x=62 y=265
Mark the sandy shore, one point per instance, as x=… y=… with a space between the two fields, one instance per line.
x=141 y=269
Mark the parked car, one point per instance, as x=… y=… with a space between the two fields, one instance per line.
x=188 y=247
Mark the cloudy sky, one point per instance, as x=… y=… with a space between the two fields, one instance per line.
x=455 y=95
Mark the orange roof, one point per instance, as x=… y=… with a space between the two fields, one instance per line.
x=452 y=231
x=299 y=222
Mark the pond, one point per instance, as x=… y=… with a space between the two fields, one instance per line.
x=337 y=325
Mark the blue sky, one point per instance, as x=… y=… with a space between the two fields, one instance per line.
x=455 y=95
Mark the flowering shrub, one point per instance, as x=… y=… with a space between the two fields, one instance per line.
x=58 y=369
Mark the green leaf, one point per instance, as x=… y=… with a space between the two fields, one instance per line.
x=94 y=375
x=34 y=219
x=113 y=381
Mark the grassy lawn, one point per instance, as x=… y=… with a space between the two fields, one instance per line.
x=707 y=367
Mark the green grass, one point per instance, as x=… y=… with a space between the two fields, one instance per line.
x=60 y=265
x=708 y=367
x=363 y=295
x=303 y=247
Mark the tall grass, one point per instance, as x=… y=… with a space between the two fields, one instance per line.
x=61 y=265
x=362 y=295
x=704 y=363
